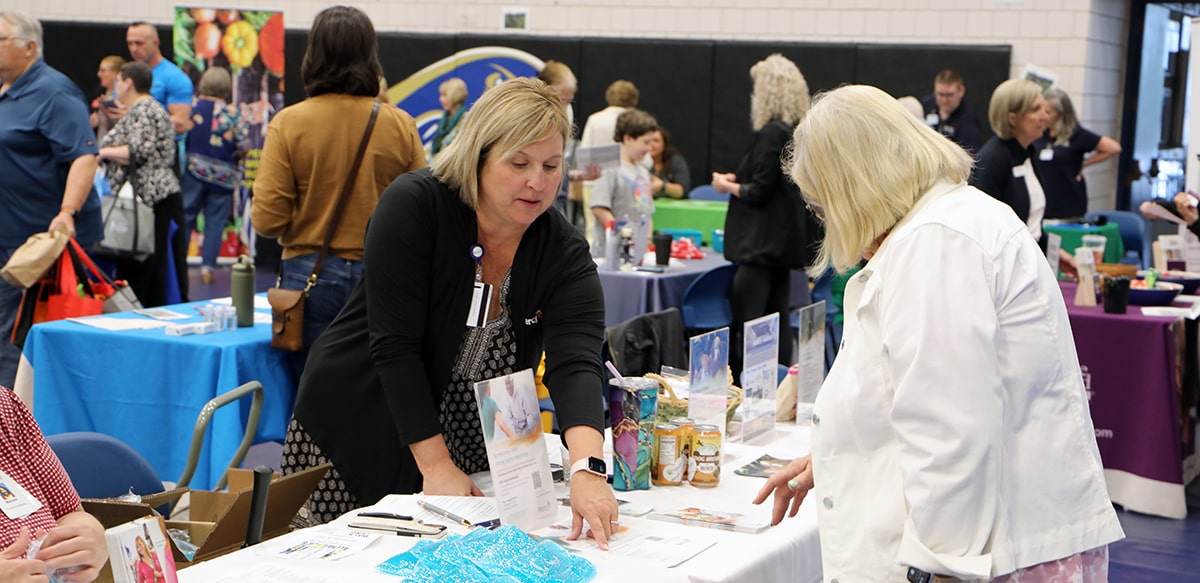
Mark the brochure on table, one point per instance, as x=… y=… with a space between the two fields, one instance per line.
x=811 y=358
x=710 y=378
x=760 y=375
x=512 y=433
x=1053 y=246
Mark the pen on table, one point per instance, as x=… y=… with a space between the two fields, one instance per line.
x=443 y=513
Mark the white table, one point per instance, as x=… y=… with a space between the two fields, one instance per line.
x=788 y=552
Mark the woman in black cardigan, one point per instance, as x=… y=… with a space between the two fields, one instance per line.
x=1003 y=169
x=387 y=393
x=768 y=230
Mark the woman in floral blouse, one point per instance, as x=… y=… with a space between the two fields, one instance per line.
x=140 y=150
x=214 y=145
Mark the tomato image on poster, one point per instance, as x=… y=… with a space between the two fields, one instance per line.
x=249 y=43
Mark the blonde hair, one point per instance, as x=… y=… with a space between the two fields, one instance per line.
x=112 y=63
x=455 y=89
x=896 y=159
x=506 y=118
x=557 y=73
x=1012 y=96
x=621 y=94
x=780 y=92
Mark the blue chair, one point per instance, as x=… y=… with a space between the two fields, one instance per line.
x=1135 y=234
x=705 y=304
x=102 y=466
x=707 y=192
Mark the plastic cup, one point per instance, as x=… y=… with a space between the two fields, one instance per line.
x=1096 y=244
x=662 y=248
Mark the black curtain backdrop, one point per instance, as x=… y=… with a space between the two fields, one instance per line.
x=698 y=89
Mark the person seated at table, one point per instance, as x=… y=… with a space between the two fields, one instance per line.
x=43 y=503
x=669 y=176
x=625 y=193
x=388 y=394
x=929 y=435
x=452 y=95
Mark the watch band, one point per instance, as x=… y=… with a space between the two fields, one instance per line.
x=583 y=465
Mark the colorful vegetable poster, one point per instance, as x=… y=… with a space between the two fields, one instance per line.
x=760 y=375
x=249 y=43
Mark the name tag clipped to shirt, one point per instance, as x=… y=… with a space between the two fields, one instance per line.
x=1046 y=154
x=481 y=295
x=1018 y=171
x=931 y=120
x=15 y=501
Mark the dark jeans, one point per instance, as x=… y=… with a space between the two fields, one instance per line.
x=10 y=301
x=149 y=278
x=337 y=279
x=217 y=203
x=756 y=292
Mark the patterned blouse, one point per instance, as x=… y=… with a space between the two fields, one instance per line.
x=215 y=141
x=26 y=459
x=148 y=132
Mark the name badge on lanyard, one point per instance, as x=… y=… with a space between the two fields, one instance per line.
x=481 y=295
x=15 y=501
x=1046 y=154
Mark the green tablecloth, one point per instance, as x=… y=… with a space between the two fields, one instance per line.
x=701 y=215
x=1072 y=238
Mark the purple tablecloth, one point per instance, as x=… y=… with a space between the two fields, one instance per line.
x=632 y=293
x=1132 y=367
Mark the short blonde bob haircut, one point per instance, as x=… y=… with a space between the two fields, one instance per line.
x=506 y=118
x=865 y=161
x=621 y=93
x=1015 y=96
x=780 y=92
x=456 y=90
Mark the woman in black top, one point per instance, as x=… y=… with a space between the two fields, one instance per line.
x=768 y=231
x=1003 y=169
x=669 y=172
x=387 y=393
x=1060 y=155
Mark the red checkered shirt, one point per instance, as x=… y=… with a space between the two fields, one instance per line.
x=27 y=459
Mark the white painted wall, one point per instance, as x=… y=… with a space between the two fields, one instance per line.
x=1083 y=41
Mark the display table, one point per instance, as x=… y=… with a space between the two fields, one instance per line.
x=701 y=215
x=632 y=293
x=1133 y=369
x=788 y=552
x=1072 y=238
x=147 y=388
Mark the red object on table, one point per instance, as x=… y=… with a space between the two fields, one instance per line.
x=684 y=248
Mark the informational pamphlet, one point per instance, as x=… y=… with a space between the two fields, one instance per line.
x=608 y=156
x=138 y=551
x=694 y=516
x=520 y=467
x=710 y=378
x=760 y=375
x=763 y=467
x=328 y=545
x=811 y=359
x=1053 y=246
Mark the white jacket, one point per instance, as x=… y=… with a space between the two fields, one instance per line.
x=953 y=432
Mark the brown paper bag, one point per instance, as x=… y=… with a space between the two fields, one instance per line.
x=33 y=258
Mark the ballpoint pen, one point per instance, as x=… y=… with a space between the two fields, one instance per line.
x=443 y=513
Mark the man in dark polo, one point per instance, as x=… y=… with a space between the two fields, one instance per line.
x=946 y=112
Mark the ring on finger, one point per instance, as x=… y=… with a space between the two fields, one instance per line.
x=793 y=484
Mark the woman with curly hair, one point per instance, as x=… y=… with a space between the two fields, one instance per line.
x=768 y=231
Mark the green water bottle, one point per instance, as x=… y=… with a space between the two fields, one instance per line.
x=242 y=291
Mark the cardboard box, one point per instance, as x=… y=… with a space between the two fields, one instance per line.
x=218 y=520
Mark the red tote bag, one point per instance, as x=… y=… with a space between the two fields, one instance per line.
x=64 y=292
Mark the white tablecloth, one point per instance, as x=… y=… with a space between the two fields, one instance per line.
x=788 y=552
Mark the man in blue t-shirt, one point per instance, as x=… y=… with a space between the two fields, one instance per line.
x=170 y=86
x=47 y=160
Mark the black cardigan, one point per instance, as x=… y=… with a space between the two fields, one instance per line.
x=993 y=174
x=373 y=381
x=768 y=223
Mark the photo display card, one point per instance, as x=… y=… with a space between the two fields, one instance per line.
x=710 y=378
x=520 y=467
x=811 y=357
x=760 y=375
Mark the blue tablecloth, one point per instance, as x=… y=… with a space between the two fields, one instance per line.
x=146 y=388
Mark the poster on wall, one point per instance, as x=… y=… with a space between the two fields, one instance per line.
x=480 y=68
x=249 y=43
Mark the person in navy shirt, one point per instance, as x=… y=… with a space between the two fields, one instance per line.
x=946 y=112
x=47 y=159
x=171 y=86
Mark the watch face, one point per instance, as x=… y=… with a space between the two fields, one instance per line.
x=597 y=465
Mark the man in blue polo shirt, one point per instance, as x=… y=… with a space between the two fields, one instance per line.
x=47 y=160
x=170 y=86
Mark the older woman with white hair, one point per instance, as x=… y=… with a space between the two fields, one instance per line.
x=1004 y=169
x=768 y=232
x=929 y=436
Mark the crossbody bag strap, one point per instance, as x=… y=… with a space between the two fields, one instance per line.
x=344 y=197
